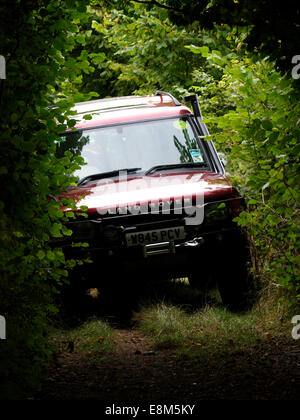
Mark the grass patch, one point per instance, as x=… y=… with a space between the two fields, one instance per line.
x=91 y=339
x=212 y=330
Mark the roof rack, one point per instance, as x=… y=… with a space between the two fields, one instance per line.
x=109 y=104
x=161 y=93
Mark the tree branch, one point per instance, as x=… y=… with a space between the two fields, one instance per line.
x=156 y=3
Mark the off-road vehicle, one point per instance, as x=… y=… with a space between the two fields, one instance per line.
x=158 y=201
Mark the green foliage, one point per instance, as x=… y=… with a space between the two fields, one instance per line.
x=140 y=51
x=272 y=29
x=40 y=74
x=260 y=137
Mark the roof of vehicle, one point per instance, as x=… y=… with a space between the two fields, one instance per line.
x=127 y=109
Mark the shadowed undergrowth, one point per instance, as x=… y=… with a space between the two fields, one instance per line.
x=91 y=339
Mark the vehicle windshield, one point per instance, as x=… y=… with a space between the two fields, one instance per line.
x=134 y=145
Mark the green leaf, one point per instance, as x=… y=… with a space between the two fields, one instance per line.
x=267 y=125
x=41 y=255
x=87 y=117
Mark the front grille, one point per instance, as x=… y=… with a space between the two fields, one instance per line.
x=108 y=231
x=145 y=221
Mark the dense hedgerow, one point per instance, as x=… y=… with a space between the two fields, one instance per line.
x=260 y=138
x=35 y=38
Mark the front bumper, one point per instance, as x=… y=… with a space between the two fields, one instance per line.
x=106 y=238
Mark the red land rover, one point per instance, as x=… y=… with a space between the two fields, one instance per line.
x=159 y=203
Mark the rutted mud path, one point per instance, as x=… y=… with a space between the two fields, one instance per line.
x=134 y=372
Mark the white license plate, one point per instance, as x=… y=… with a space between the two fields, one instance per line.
x=155 y=236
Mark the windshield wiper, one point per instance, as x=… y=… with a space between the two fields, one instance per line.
x=175 y=166
x=103 y=175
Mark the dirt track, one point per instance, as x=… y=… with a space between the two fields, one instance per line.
x=133 y=372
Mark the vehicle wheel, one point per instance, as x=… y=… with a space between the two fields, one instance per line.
x=233 y=276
